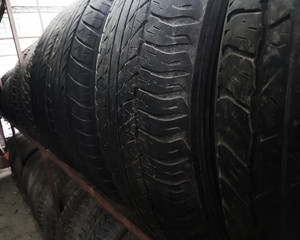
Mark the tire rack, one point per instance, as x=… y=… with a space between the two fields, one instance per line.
x=47 y=156
x=108 y=205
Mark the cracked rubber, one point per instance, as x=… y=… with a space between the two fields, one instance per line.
x=70 y=91
x=84 y=219
x=257 y=119
x=146 y=69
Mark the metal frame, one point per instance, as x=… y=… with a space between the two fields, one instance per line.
x=14 y=31
x=47 y=155
x=5 y=4
x=40 y=14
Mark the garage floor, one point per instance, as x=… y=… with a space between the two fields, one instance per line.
x=16 y=221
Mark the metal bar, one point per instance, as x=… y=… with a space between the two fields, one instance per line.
x=25 y=37
x=81 y=181
x=14 y=31
x=2 y=137
x=9 y=55
x=40 y=14
x=51 y=183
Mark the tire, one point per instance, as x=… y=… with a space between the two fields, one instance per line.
x=12 y=92
x=12 y=109
x=11 y=142
x=38 y=84
x=13 y=157
x=49 y=216
x=84 y=219
x=146 y=71
x=28 y=123
x=68 y=212
x=38 y=188
x=257 y=119
x=6 y=76
x=21 y=152
x=71 y=92
x=32 y=163
x=4 y=97
x=4 y=79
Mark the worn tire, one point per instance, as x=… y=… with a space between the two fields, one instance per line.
x=28 y=123
x=71 y=88
x=84 y=219
x=38 y=84
x=38 y=188
x=12 y=110
x=12 y=93
x=147 y=67
x=30 y=166
x=3 y=90
x=257 y=119
x=21 y=152
x=49 y=215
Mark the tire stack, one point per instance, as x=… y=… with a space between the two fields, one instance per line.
x=185 y=112
x=80 y=217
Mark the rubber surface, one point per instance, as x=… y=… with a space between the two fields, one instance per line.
x=38 y=84
x=145 y=75
x=257 y=119
x=38 y=188
x=70 y=92
x=49 y=215
x=84 y=219
x=30 y=166
x=28 y=123
x=21 y=151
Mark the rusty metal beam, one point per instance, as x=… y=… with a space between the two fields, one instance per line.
x=14 y=31
x=91 y=190
x=40 y=14
x=50 y=180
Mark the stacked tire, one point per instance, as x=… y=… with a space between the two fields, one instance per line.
x=78 y=216
x=184 y=112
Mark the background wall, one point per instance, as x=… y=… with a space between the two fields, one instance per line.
x=28 y=25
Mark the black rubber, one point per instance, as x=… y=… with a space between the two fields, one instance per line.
x=49 y=215
x=21 y=151
x=38 y=188
x=71 y=87
x=4 y=99
x=12 y=92
x=13 y=158
x=35 y=184
x=68 y=212
x=84 y=219
x=38 y=84
x=4 y=79
x=28 y=123
x=30 y=166
x=257 y=119
x=147 y=67
x=6 y=76
x=11 y=97
x=11 y=142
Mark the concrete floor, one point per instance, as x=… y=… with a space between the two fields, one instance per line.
x=16 y=221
